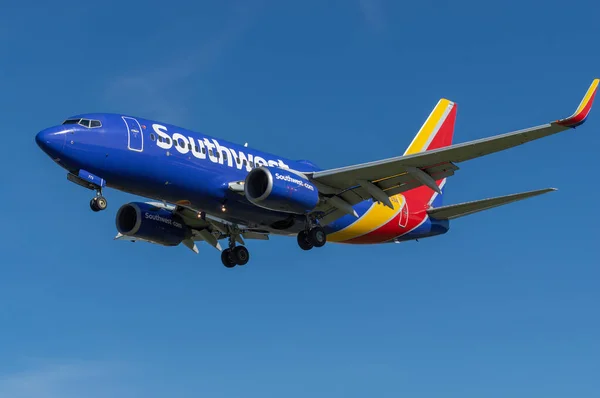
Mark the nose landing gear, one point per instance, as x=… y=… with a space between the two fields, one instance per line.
x=91 y=182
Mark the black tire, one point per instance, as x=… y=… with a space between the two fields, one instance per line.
x=101 y=202
x=241 y=255
x=226 y=258
x=94 y=205
x=317 y=236
x=304 y=241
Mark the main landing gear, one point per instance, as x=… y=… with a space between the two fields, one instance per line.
x=312 y=237
x=98 y=203
x=238 y=255
x=234 y=255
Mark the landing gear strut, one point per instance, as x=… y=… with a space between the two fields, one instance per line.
x=234 y=255
x=312 y=237
x=98 y=203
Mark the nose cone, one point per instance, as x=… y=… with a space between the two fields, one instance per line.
x=52 y=141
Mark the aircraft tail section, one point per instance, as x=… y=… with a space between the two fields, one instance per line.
x=464 y=209
x=437 y=131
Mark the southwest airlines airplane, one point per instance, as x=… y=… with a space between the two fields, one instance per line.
x=206 y=189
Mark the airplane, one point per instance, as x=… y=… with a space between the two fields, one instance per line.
x=201 y=188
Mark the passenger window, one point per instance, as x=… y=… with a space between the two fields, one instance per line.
x=152 y=137
x=217 y=155
x=190 y=147
x=203 y=150
x=181 y=144
x=244 y=162
x=168 y=140
x=237 y=160
x=96 y=123
x=210 y=152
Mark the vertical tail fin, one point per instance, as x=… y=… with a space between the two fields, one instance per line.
x=438 y=129
x=437 y=132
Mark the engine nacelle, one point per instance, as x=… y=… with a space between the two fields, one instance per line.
x=280 y=190
x=155 y=224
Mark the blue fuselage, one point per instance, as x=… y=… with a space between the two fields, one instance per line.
x=166 y=162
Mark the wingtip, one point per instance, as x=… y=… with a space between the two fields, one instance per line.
x=583 y=110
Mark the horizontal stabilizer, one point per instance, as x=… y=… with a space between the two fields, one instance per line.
x=464 y=209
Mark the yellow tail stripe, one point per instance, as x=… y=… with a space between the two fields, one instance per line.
x=429 y=128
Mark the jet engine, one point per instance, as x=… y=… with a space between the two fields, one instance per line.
x=280 y=190
x=151 y=223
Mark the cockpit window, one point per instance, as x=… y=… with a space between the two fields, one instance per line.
x=71 y=121
x=84 y=122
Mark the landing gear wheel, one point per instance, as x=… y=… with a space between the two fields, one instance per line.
x=93 y=205
x=317 y=236
x=304 y=241
x=240 y=255
x=101 y=202
x=98 y=203
x=226 y=258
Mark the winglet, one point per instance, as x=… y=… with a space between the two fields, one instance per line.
x=578 y=118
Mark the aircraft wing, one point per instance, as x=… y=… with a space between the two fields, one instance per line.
x=384 y=178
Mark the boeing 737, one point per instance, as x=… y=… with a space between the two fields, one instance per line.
x=201 y=188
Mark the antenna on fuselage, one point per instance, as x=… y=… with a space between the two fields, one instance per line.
x=245 y=145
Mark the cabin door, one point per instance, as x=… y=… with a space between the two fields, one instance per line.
x=135 y=138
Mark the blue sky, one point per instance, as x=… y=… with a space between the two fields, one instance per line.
x=503 y=305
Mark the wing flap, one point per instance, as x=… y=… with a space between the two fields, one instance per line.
x=255 y=235
x=464 y=209
x=437 y=172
